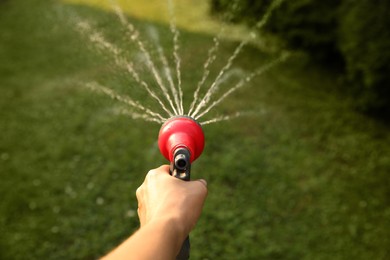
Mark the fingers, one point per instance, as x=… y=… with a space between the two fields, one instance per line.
x=204 y=182
x=142 y=191
x=201 y=183
x=161 y=193
x=200 y=186
x=140 y=210
x=163 y=168
x=138 y=193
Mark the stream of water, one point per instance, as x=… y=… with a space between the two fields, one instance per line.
x=169 y=79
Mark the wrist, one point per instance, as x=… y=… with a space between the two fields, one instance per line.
x=162 y=237
x=172 y=226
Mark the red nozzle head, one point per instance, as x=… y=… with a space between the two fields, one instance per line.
x=181 y=132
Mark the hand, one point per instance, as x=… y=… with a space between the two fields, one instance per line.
x=162 y=196
x=168 y=209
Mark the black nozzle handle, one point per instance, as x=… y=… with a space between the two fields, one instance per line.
x=181 y=165
x=184 y=253
x=181 y=169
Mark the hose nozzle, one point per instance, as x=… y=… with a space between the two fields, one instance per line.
x=181 y=141
x=181 y=165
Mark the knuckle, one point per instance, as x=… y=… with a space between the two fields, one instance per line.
x=138 y=192
x=151 y=174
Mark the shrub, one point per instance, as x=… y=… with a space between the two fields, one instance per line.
x=248 y=11
x=304 y=24
x=364 y=40
x=349 y=33
x=308 y=24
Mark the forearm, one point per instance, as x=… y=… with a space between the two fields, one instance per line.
x=160 y=239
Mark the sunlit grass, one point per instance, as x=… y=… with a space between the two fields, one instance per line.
x=190 y=15
x=303 y=177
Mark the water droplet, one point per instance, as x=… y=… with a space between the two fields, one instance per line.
x=99 y=201
x=17 y=237
x=90 y=185
x=32 y=205
x=131 y=213
x=36 y=182
x=131 y=27
x=33 y=225
x=4 y=156
x=134 y=36
x=68 y=190
x=54 y=229
x=153 y=33
x=56 y=209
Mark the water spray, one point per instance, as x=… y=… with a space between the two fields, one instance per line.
x=181 y=141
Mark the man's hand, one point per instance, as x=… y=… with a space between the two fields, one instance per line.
x=168 y=209
x=162 y=196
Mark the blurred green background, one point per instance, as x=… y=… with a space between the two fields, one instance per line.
x=348 y=36
x=303 y=176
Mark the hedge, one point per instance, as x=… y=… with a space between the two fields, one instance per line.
x=351 y=33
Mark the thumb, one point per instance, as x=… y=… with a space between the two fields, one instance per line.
x=200 y=186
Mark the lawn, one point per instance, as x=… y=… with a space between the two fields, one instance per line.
x=301 y=176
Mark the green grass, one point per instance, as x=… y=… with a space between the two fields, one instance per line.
x=307 y=178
